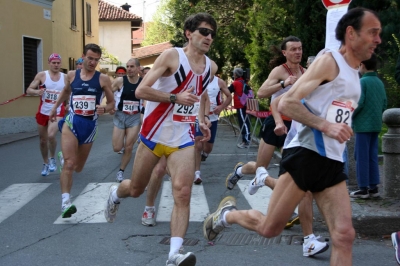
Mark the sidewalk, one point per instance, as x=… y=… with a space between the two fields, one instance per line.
x=371 y=217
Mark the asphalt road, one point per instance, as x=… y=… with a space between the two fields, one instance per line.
x=30 y=234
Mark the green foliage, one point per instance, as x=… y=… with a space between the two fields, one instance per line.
x=248 y=29
x=160 y=29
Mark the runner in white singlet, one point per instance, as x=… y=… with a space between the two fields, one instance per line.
x=168 y=126
x=48 y=85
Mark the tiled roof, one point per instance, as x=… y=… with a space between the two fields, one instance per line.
x=151 y=50
x=109 y=12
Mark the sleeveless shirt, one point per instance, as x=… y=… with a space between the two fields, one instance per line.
x=90 y=87
x=344 y=88
x=51 y=94
x=128 y=92
x=158 y=125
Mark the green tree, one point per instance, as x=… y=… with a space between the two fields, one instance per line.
x=160 y=29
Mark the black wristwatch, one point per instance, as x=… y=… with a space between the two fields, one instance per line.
x=172 y=98
x=282 y=82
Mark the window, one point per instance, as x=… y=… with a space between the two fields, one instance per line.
x=73 y=14
x=88 y=19
x=32 y=59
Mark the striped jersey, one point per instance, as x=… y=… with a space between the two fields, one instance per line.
x=334 y=101
x=51 y=94
x=158 y=125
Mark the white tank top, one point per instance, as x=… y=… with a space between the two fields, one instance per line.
x=334 y=101
x=214 y=93
x=158 y=125
x=51 y=94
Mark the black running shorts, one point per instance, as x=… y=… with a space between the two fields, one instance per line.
x=268 y=135
x=311 y=171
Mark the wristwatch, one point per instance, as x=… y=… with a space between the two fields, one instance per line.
x=172 y=98
x=282 y=82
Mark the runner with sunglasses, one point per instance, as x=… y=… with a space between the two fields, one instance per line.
x=183 y=75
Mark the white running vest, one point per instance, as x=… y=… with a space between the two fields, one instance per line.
x=158 y=125
x=214 y=94
x=51 y=94
x=334 y=101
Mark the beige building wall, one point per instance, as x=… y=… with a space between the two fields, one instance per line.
x=115 y=36
x=69 y=42
x=49 y=21
x=18 y=19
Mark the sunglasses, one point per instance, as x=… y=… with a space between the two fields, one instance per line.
x=205 y=32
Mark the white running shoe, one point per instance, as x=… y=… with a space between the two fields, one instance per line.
x=258 y=180
x=313 y=247
x=52 y=164
x=188 y=259
x=111 y=209
x=120 y=176
x=149 y=217
x=121 y=151
x=67 y=209
x=45 y=170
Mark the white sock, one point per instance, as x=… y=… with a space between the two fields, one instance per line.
x=224 y=222
x=239 y=171
x=65 y=197
x=197 y=173
x=114 y=196
x=176 y=243
x=150 y=208
x=307 y=238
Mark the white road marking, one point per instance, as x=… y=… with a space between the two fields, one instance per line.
x=198 y=204
x=90 y=205
x=16 y=196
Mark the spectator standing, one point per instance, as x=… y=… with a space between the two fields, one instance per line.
x=367 y=124
x=237 y=89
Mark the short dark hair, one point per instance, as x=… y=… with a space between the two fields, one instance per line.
x=352 y=18
x=146 y=68
x=193 y=22
x=93 y=47
x=289 y=39
x=372 y=63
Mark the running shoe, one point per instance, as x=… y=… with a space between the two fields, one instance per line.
x=243 y=145
x=61 y=159
x=362 y=194
x=111 y=209
x=213 y=224
x=233 y=178
x=45 y=170
x=197 y=180
x=121 y=151
x=313 y=247
x=67 y=209
x=149 y=217
x=258 y=180
x=396 y=243
x=120 y=176
x=52 y=164
x=292 y=221
x=203 y=157
x=374 y=193
x=188 y=259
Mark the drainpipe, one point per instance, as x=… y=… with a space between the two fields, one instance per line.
x=83 y=24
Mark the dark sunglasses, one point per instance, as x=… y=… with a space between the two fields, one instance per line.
x=205 y=32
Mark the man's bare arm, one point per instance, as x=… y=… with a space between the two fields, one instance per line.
x=106 y=86
x=117 y=84
x=32 y=88
x=291 y=106
x=64 y=95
